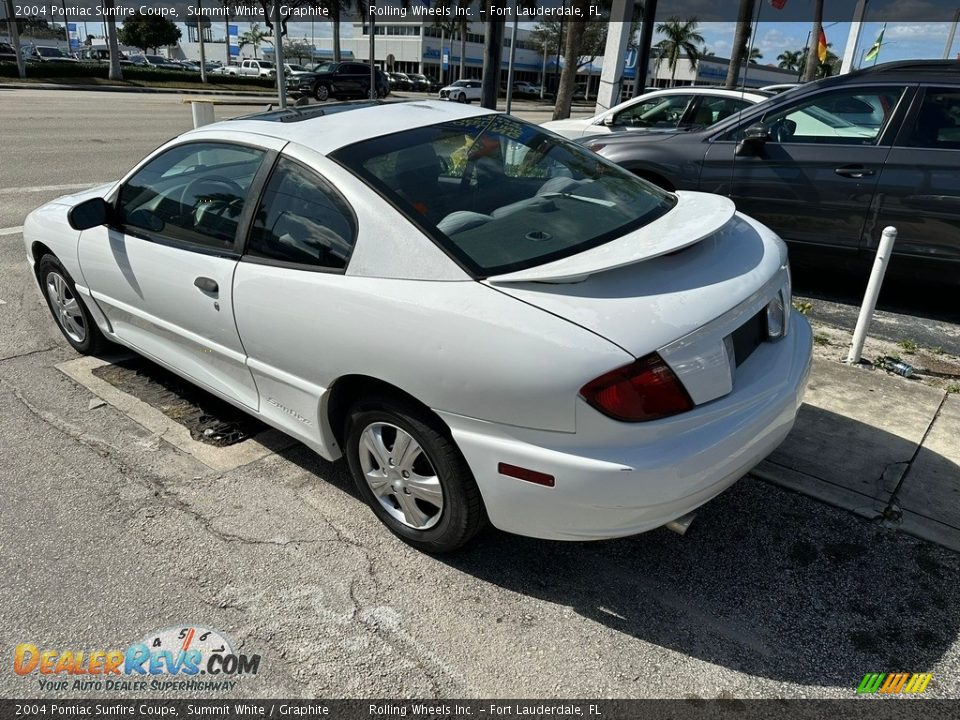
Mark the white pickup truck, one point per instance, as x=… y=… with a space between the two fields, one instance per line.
x=261 y=68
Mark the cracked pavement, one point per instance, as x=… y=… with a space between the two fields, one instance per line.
x=108 y=533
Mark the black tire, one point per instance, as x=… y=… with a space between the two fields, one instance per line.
x=93 y=341
x=462 y=515
x=462 y=98
x=321 y=92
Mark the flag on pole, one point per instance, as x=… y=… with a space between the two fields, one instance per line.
x=875 y=48
x=778 y=4
x=822 y=46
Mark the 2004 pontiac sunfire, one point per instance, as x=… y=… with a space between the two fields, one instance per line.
x=488 y=321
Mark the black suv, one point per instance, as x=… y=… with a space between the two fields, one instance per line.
x=831 y=163
x=339 y=80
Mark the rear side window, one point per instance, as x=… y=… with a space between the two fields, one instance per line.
x=302 y=220
x=937 y=124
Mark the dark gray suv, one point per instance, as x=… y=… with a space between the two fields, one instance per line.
x=831 y=163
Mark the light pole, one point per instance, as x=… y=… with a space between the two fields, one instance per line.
x=953 y=31
x=513 y=52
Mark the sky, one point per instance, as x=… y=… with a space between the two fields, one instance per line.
x=902 y=41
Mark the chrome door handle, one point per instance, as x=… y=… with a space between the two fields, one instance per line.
x=207 y=285
x=853 y=171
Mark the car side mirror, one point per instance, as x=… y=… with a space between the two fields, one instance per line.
x=754 y=138
x=89 y=214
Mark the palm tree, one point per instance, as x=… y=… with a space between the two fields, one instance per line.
x=116 y=72
x=254 y=36
x=740 y=39
x=810 y=67
x=790 y=60
x=680 y=38
x=335 y=10
x=755 y=55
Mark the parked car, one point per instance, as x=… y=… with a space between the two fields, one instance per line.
x=101 y=55
x=7 y=52
x=341 y=81
x=421 y=83
x=292 y=70
x=462 y=91
x=156 y=61
x=487 y=320
x=399 y=81
x=780 y=87
x=525 y=88
x=676 y=108
x=829 y=165
x=253 y=68
x=46 y=53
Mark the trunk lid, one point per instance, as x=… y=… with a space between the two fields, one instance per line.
x=680 y=286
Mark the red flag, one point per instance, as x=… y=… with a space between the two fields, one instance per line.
x=822 y=45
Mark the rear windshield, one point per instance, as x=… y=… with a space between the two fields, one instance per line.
x=500 y=195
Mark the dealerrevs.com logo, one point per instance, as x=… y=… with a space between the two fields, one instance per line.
x=185 y=658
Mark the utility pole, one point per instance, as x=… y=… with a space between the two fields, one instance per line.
x=513 y=52
x=278 y=55
x=203 y=52
x=373 y=47
x=953 y=31
x=853 y=37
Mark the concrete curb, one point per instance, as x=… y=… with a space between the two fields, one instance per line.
x=125 y=88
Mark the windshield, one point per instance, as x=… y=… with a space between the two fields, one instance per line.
x=49 y=52
x=500 y=195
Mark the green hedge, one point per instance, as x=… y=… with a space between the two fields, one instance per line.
x=130 y=72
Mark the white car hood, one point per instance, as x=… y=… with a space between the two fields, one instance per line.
x=78 y=197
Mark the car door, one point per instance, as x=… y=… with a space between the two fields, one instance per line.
x=162 y=272
x=814 y=178
x=356 y=80
x=290 y=289
x=919 y=188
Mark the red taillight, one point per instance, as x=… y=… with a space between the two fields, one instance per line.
x=644 y=390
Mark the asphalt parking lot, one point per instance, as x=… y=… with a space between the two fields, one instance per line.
x=109 y=532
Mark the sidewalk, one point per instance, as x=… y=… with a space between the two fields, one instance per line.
x=882 y=446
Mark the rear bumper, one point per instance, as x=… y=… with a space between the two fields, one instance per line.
x=638 y=477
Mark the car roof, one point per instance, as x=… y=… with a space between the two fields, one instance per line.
x=329 y=126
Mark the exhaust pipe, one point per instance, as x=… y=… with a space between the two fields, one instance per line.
x=681 y=524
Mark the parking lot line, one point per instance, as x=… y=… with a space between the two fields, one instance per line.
x=220 y=459
x=11 y=230
x=45 y=188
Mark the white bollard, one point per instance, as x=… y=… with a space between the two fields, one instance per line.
x=873 y=292
x=202 y=113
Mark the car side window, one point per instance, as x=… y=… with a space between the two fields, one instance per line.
x=658 y=112
x=711 y=110
x=937 y=124
x=851 y=116
x=302 y=220
x=193 y=193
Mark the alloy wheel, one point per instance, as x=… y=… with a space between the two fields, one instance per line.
x=66 y=308
x=400 y=475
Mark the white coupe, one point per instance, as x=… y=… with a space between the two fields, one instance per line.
x=487 y=320
x=681 y=108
